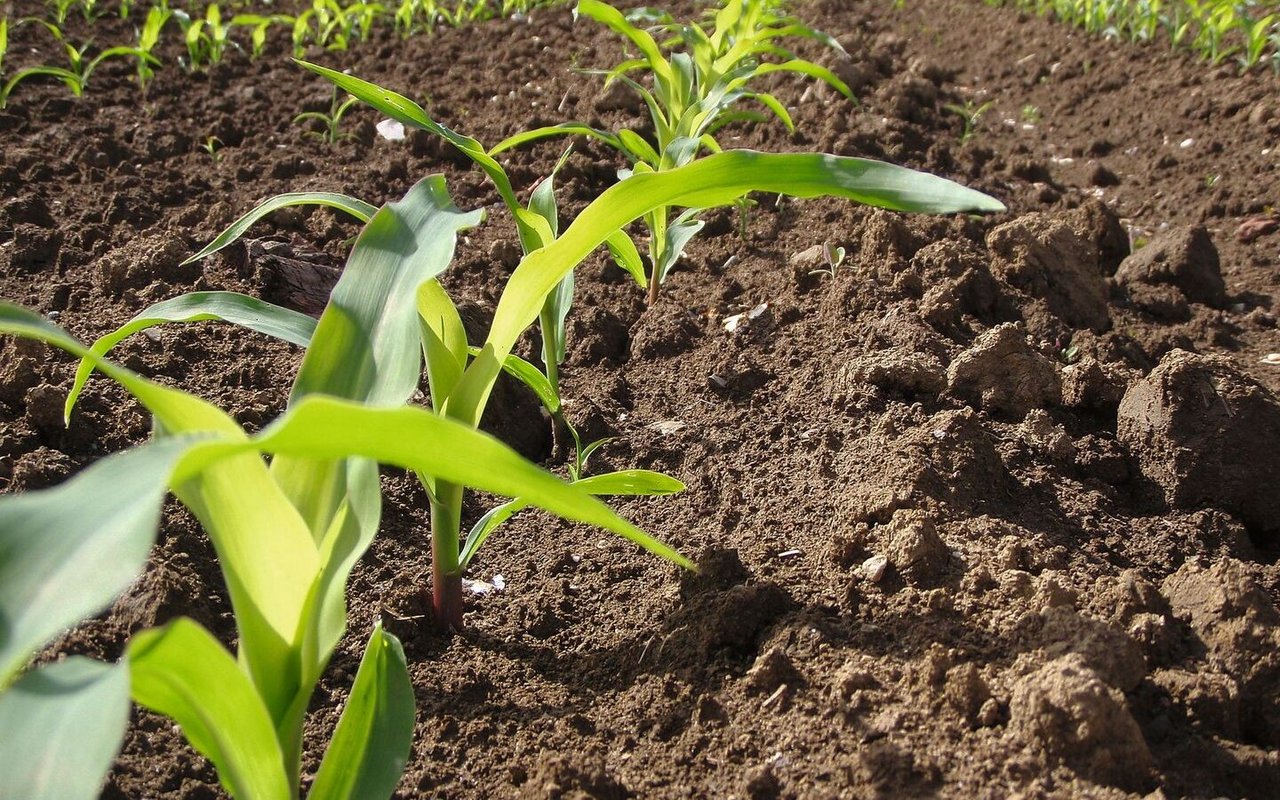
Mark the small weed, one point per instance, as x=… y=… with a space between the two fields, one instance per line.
x=834 y=256
x=970 y=113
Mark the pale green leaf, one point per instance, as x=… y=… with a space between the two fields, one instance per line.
x=370 y=746
x=181 y=671
x=422 y=441
x=66 y=552
x=62 y=725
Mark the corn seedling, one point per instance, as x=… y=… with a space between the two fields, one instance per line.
x=969 y=113
x=213 y=146
x=206 y=38
x=695 y=92
x=258 y=25
x=79 y=68
x=148 y=37
x=328 y=133
x=59 y=9
x=460 y=382
x=4 y=43
x=286 y=534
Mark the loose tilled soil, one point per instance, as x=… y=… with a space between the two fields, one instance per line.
x=989 y=512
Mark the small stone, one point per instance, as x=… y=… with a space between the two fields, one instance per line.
x=873 y=568
x=989 y=714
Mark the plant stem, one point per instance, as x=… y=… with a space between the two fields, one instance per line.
x=446 y=573
x=546 y=326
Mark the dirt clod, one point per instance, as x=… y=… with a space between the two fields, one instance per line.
x=1067 y=713
x=1206 y=435
x=1185 y=258
x=1047 y=258
x=1001 y=372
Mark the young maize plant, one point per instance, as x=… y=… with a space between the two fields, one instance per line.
x=207 y=38
x=78 y=70
x=1214 y=29
x=461 y=378
x=694 y=94
x=286 y=534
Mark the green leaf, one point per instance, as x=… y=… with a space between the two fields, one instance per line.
x=366 y=344
x=486 y=525
x=417 y=439
x=678 y=235
x=563 y=129
x=627 y=256
x=237 y=309
x=533 y=378
x=370 y=746
x=66 y=552
x=444 y=341
x=633 y=482
x=181 y=671
x=715 y=180
x=356 y=208
x=407 y=112
x=61 y=726
x=809 y=69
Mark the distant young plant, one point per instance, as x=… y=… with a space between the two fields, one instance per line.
x=286 y=534
x=259 y=25
x=79 y=68
x=969 y=113
x=695 y=92
x=213 y=146
x=1213 y=29
x=207 y=38
x=148 y=37
x=833 y=256
x=329 y=122
x=4 y=43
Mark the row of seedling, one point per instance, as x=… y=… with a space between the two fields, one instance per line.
x=1217 y=30
x=291 y=508
x=208 y=31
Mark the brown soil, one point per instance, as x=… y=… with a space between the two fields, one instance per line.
x=991 y=512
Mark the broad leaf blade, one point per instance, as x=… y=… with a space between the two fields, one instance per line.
x=350 y=205
x=181 y=671
x=66 y=552
x=62 y=726
x=417 y=439
x=366 y=344
x=627 y=256
x=370 y=746
x=633 y=482
x=269 y=578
